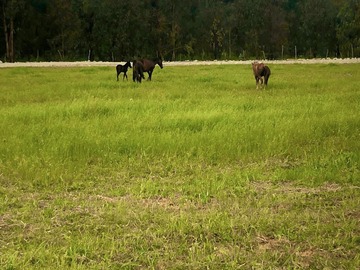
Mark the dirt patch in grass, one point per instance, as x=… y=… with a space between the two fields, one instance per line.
x=289 y=188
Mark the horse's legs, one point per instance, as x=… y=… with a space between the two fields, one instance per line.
x=141 y=74
x=257 y=81
x=149 y=72
x=266 y=79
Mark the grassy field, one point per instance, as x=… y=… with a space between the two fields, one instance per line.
x=194 y=170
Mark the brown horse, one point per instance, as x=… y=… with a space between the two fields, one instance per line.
x=260 y=71
x=138 y=71
x=149 y=65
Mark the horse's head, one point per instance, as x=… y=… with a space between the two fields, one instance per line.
x=254 y=65
x=128 y=63
x=159 y=62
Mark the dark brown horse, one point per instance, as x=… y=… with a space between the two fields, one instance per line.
x=122 y=68
x=260 y=71
x=149 y=65
x=138 y=71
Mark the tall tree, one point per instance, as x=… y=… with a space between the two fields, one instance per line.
x=32 y=31
x=275 y=32
x=156 y=28
x=317 y=26
x=210 y=31
x=348 y=28
x=172 y=10
x=10 y=10
x=181 y=27
x=66 y=27
x=217 y=34
x=118 y=30
x=86 y=10
x=195 y=29
x=249 y=25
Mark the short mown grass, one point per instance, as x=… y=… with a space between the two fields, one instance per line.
x=194 y=170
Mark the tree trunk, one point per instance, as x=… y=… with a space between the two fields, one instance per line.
x=173 y=32
x=229 y=43
x=11 y=41
x=9 y=37
x=5 y=32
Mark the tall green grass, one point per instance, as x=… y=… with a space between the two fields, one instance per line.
x=68 y=119
x=195 y=169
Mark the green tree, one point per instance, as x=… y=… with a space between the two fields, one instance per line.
x=86 y=10
x=33 y=31
x=249 y=26
x=65 y=37
x=156 y=28
x=183 y=26
x=317 y=26
x=209 y=25
x=10 y=12
x=275 y=31
x=217 y=34
x=348 y=28
x=174 y=13
x=203 y=29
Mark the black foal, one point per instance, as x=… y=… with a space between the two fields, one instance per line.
x=122 y=68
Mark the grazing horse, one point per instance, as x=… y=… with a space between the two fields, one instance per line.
x=149 y=65
x=260 y=70
x=122 y=68
x=138 y=71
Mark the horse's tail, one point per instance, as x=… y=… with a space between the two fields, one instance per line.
x=267 y=74
x=118 y=68
x=268 y=70
x=134 y=75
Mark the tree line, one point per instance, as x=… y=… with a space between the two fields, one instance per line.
x=117 y=30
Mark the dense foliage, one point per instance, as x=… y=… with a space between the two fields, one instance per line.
x=116 y=30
